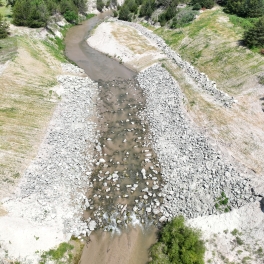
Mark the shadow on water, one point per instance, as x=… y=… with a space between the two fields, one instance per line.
x=96 y=65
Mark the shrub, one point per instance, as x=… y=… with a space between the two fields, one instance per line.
x=239 y=241
x=208 y=3
x=254 y=37
x=30 y=13
x=184 y=17
x=99 y=5
x=147 y=8
x=204 y=3
x=197 y=6
x=124 y=13
x=71 y=16
x=178 y=243
x=3 y=28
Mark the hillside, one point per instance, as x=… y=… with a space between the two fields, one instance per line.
x=212 y=44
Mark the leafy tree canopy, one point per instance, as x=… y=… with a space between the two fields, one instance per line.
x=178 y=244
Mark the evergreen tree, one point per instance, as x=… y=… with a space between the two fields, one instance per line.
x=81 y=5
x=3 y=28
x=147 y=8
x=10 y=3
x=253 y=8
x=245 y=8
x=124 y=13
x=21 y=12
x=254 y=37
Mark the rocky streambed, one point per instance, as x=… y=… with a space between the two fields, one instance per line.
x=152 y=162
x=126 y=182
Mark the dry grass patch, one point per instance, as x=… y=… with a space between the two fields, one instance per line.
x=27 y=104
x=238 y=131
x=130 y=38
x=212 y=44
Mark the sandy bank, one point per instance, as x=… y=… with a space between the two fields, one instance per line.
x=124 y=44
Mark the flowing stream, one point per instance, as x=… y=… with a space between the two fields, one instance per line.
x=126 y=179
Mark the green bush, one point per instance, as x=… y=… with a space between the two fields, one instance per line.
x=147 y=8
x=204 y=3
x=245 y=8
x=35 y=13
x=3 y=28
x=254 y=37
x=179 y=244
x=124 y=13
x=99 y=5
x=71 y=16
x=197 y=6
x=184 y=17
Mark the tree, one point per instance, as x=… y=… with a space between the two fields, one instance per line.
x=10 y=3
x=21 y=12
x=179 y=244
x=99 y=5
x=124 y=13
x=3 y=28
x=254 y=37
x=30 y=13
x=147 y=8
x=81 y=5
x=204 y=3
x=245 y=8
x=253 y=8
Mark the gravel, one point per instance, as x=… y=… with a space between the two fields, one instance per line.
x=196 y=174
x=200 y=78
x=55 y=184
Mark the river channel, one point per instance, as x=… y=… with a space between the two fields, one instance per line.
x=126 y=179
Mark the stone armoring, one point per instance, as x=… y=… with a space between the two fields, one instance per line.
x=201 y=79
x=53 y=187
x=195 y=172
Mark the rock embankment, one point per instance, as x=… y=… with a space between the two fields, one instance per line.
x=196 y=174
x=201 y=79
x=62 y=168
x=51 y=196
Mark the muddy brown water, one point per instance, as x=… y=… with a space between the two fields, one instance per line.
x=94 y=63
x=125 y=161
